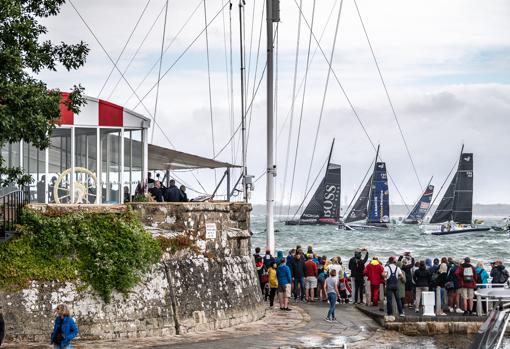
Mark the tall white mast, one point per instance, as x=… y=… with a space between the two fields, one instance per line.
x=243 y=104
x=272 y=15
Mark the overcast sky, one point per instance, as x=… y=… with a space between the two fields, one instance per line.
x=445 y=63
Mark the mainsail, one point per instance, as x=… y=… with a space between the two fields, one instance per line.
x=422 y=206
x=379 y=204
x=359 y=210
x=325 y=203
x=457 y=202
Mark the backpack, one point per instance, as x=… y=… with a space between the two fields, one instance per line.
x=468 y=274
x=392 y=282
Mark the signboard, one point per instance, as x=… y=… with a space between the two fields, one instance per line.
x=210 y=230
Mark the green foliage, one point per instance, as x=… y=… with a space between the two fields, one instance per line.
x=108 y=251
x=28 y=110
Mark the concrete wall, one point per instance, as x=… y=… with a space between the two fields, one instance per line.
x=210 y=285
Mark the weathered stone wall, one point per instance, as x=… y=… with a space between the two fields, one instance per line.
x=209 y=285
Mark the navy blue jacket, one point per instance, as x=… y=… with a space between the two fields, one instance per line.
x=69 y=330
x=172 y=194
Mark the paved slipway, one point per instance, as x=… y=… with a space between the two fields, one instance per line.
x=303 y=327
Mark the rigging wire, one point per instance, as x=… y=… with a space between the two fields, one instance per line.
x=136 y=52
x=388 y=95
x=351 y=105
x=159 y=71
x=183 y=52
x=229 y=101
x=124 y=48
x=442 y=185
x=302 y=106
x=209 y=83
x=296 y=61
x=155 y=64
x=324 y=95
x=370 y=168
x=251 y=43
x=116 y=67
x=232 y=111
x=310 y=189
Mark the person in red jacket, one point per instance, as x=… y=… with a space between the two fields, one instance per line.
x=374 y=271
x=311 y=270
x=467 y=276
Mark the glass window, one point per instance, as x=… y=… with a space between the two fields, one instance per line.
x=133 y=164
x=60 y=166
x=34 y=161
x=110 y=165
x=85 y=171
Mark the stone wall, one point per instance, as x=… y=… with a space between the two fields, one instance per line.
x=210 y=285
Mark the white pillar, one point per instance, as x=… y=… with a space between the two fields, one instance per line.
x=145 y=141
x=121 y=177
x=73 y=147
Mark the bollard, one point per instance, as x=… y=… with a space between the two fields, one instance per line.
x=428 y=303
x=439 y=305
x=368 y=293
x=381 y=297
x=353 y=288
x=479 y=308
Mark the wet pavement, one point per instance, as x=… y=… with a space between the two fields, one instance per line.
x=303 y=327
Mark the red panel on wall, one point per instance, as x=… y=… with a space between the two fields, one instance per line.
x=66 y=115
x=110 y=114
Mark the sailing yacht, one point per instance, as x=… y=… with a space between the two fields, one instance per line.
x=373 y=203
x=421 y=208
x=455 y=210
x=324 y=206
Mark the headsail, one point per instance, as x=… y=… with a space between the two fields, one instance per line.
x=359 y=210
x=463 y=202
x=422 y=206
x=457 y=203
x=379 y=204
x=325 y=203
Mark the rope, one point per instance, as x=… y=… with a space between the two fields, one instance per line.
x=388 y=96
x=296 y=60
x=349 y=101
x=209 y=83
x=442 y=185
x=136 y=52
x=309 y=190
x=360 y=186
x=116 y=67
x=302 y=107
x=123 y=48
x=324 y=96
x=159 y=71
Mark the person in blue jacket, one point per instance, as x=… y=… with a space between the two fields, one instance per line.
x=284 y=281
x=65 y=328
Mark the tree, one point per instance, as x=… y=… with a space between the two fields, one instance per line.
x=29 y=111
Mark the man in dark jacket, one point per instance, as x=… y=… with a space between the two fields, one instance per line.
x=499 y=274
x=357 y=266
x=298 y=272
x=157 y=192
x=172 y=193
x=421 y=279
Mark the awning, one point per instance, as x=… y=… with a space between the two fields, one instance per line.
x=161 y=158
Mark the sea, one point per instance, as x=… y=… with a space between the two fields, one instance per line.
x=329 y=241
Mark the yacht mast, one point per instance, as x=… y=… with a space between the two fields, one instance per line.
x=272 y=15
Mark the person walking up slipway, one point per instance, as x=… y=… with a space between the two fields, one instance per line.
x=65 y=328
x=331 y=289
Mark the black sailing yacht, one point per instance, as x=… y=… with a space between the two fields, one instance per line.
x=373 y=203
x=456 y=207
x=324 y=206
x=421 y=208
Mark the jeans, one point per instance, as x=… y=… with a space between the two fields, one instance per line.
x=299 y=293
x=389 y=301
x=332 y=305
x=359 y=286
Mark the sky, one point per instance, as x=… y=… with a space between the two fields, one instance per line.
x=445 y=65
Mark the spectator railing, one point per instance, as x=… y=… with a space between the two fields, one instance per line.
x=11 y=205
x=489 y=302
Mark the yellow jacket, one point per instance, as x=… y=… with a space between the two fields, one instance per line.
x=273 y=281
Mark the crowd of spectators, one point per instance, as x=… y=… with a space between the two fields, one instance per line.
x=171 y=193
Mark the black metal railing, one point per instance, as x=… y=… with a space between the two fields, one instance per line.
x=11 y=205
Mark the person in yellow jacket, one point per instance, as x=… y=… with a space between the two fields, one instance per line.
x=273 y=283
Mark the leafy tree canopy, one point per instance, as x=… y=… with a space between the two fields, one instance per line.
x=28 y=110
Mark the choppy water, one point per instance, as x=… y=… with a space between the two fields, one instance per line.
x=329 y=241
